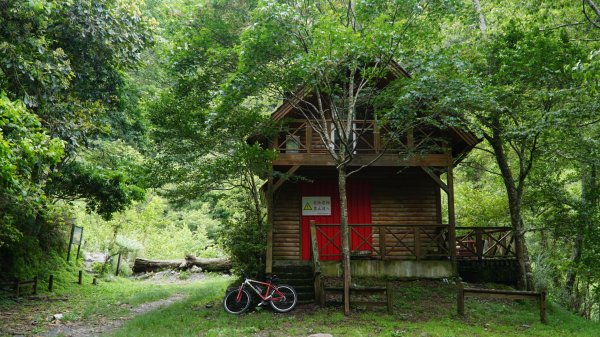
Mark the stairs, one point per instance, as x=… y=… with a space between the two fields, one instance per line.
x=300 y=277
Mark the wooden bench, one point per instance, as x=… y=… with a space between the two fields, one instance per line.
x=384 y=292
x=495 y=293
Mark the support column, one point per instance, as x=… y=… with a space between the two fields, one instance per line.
x=451 y=215
x=269 y=253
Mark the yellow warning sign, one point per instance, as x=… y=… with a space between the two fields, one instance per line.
x=316 y=205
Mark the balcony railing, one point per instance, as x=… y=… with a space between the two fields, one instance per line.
x=368 y=136
x=385 y=242
x=413 y=242
x=484 y=243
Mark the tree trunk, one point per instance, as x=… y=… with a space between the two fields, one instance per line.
x=345 y=233
x=482 y=24
x=516 y=219
x=214 y=264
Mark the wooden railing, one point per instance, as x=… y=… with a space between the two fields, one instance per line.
x=385 y=242
x=367 y=136
x=485 y=243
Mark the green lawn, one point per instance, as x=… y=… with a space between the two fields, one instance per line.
x=421 y=309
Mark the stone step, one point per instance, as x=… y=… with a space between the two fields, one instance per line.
x=296 y=281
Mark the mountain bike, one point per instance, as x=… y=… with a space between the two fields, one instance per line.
x=282 y=298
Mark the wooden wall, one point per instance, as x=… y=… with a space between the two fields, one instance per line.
x=286 y=223
x=408 y=197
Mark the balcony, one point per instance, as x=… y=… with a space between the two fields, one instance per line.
x=373 y=144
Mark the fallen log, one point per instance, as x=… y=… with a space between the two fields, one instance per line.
x=208 y=264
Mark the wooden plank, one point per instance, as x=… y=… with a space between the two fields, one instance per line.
x=284 y=178
x=324 y=159
x=435 y=178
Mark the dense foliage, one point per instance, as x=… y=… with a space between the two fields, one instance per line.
x=101 y=100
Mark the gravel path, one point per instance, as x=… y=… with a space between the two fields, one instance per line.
x=101 y=326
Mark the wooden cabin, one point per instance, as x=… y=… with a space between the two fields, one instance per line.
x=395 y=209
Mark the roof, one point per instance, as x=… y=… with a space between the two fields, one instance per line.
x=287 y=106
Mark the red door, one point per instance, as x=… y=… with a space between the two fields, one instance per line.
x=359 y=212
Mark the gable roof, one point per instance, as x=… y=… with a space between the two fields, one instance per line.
x=288 y=104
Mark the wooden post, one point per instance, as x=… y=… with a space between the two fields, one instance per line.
x=35 y=281
x=417 y=241
x=451 y=215
x=50 y=282
x=543 y=317
x=270 y=205
x=17 y=285
x=80 y=280
x=410 y=139
x=70 y=243
x=460 y=299
x=390 y=298
x=382 y=246
x=479 y=243
x=79 y=245
x=309 y=131
x=376 y=137
x=118 y=265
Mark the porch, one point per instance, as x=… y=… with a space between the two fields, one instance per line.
x=410 y=250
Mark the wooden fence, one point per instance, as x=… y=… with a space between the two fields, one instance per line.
x=495 y=293
x=485 y=243
x=386 y=242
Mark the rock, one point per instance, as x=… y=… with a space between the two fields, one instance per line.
x=195 y=269
x=320 y=335
x=209 y=305
x=57 y=317
x=424 y=334
x=525 y=326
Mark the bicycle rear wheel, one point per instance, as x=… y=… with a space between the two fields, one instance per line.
x=283 y=299
x=235 y=305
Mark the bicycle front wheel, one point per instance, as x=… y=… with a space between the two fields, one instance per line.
x=236 y=303
x=283 y=299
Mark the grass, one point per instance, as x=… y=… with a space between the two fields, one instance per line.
x=85 y=303
x=422 y=308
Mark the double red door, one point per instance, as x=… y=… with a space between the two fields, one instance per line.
x=328 y=237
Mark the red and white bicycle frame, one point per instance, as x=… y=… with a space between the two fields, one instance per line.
x=270 y=291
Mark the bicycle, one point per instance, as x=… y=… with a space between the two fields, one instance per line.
x=282 y=298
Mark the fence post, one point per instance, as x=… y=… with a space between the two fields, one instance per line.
x=80 y=281
x=460 y=299
x=543 y=318
x=479 y=243
x=50 y=282
x=390 y=299
x=382 y=243
x=118 y=265
x=35 y=279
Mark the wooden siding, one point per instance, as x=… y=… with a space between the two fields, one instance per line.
x=409 y=197
x=286 y=223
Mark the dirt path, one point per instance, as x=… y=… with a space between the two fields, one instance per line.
x=103 y=325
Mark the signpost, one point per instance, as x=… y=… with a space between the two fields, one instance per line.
x=316 y=206
x=75 y=239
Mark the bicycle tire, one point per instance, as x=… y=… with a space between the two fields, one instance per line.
x=288 y=302
x=232 y=306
